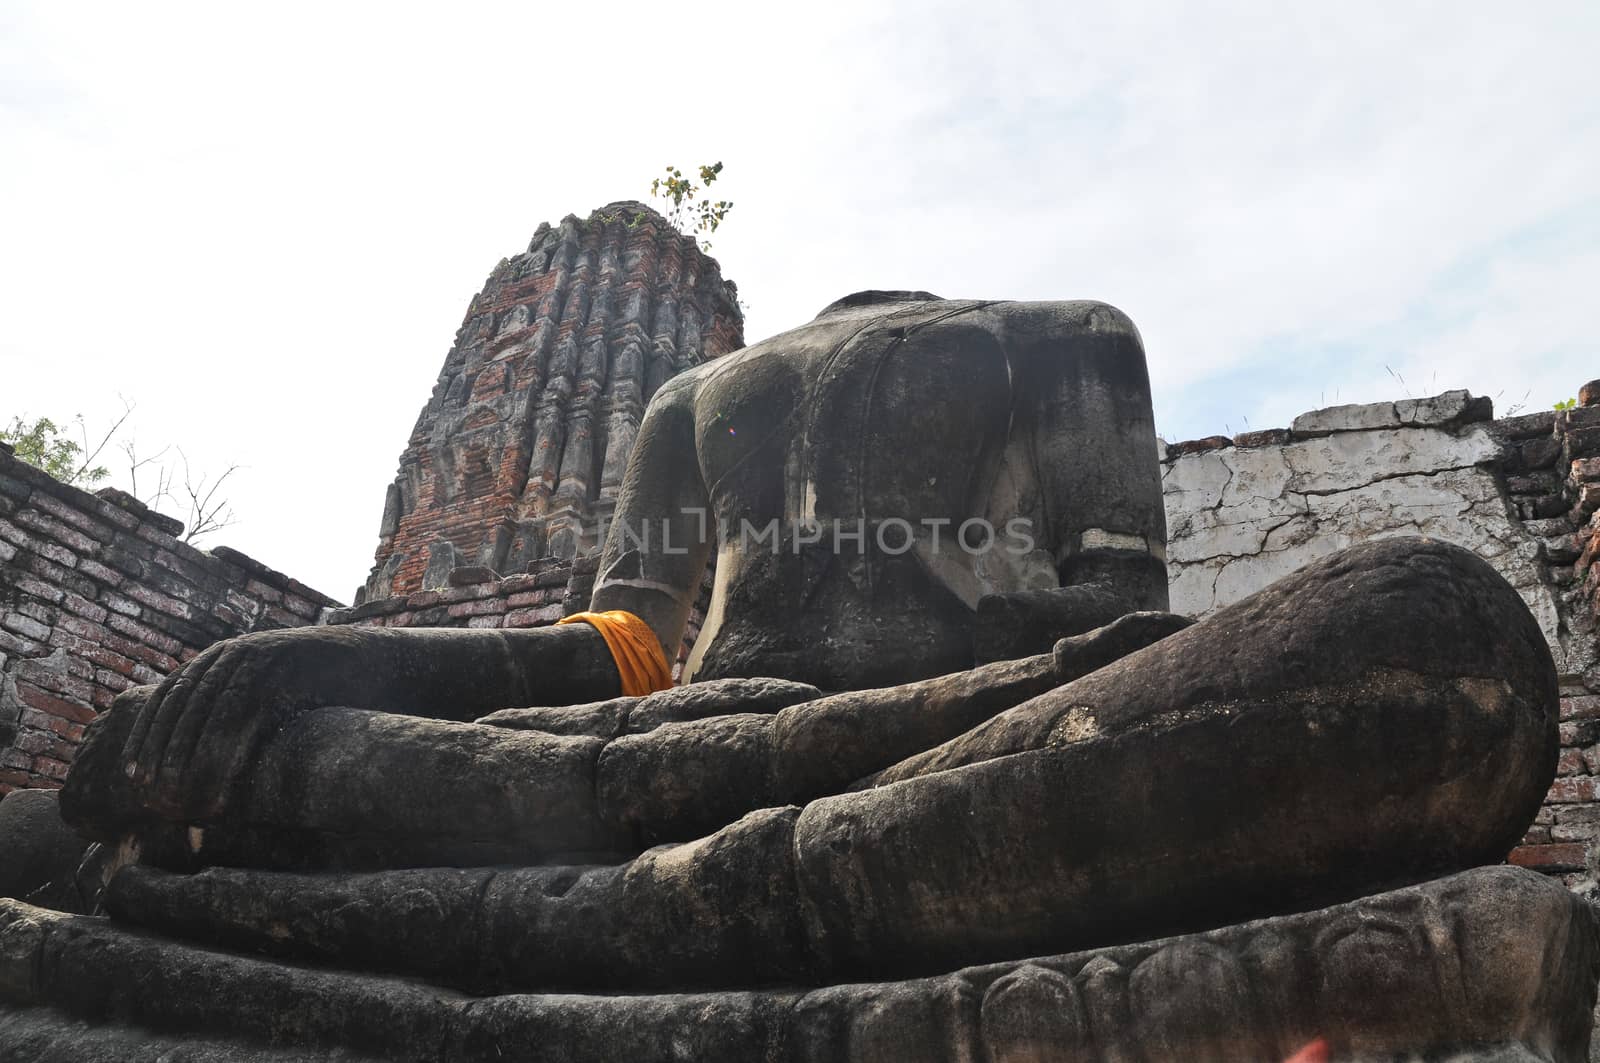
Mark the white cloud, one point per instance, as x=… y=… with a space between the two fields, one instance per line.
x=264 y=224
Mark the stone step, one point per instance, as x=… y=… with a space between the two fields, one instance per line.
x=1364 y=975
x=38 y=1035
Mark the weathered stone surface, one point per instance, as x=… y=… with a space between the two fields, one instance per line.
x=347 y=785
x=36 y=1035
x=664 y=776
x=41 y=853
x=1093 y=553
x=1411 y=623
x=1589 y=394
x=682 y=781
x=1265 y=437
x=858 y=387
x=1539 y=453
x=1385 y=715
x=619 y=716
x=1582 y=442
x=1346 y=418
x=1198 y=446
x=1450 y=408
x=1442 y=692
x=1488 y=965
x=685 y=780
x=588 y=777
x=698 y=701
x=934 y=590
x=468 y=575
x=1240 y=519
x=601 y=719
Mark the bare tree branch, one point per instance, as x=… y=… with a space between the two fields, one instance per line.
x=208 y=508
x=205 y=515
x=135 y=463
x=91 y=455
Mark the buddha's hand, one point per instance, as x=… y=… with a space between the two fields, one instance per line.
x=204 y=725
x=1079 y=655
x=1022 y=623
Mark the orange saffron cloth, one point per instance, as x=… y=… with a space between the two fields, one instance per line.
x=640 y=660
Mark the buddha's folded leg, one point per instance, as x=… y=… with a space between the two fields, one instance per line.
x=347 y=788
x=350 y=788
x=1042 y=851
x=683 y=780
x=1219 y=774
x=354 y=789
x=722 y=910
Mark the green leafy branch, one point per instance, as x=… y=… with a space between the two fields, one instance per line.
x=46 y=445
x=688 y=204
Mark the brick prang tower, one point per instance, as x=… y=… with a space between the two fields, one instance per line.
x=520 y=451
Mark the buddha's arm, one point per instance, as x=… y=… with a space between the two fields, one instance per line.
x=202 y=728
x=661 y=535
x=199 y=735
x=1084 y=432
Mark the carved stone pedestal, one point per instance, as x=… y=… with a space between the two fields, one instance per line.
x=1493 y=964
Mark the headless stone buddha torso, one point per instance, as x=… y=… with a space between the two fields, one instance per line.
x=870 y=478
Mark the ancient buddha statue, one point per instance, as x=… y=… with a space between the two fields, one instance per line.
x=937 y=717
x=899 y=488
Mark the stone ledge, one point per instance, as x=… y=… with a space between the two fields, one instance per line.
x=1525 y=426
x=1364 y=976
x=160 y=521
x=469 y=575
x=1448 y=410
x=1266 y=437
x=1196 y=446
x=270 y=575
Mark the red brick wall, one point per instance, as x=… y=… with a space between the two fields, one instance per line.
x=1565 y=838
x=96 y=595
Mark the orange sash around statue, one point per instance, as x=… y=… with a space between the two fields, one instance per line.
x=640 y=660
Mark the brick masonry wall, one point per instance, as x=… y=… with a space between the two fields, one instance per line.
x=98 y=594
x=1522 y=492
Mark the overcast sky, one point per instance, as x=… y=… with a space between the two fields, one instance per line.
x=262 y=223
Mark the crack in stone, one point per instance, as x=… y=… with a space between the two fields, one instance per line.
x=1383 y=479
x=1266 y=536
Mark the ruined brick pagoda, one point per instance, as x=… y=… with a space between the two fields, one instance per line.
x=519 y=453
